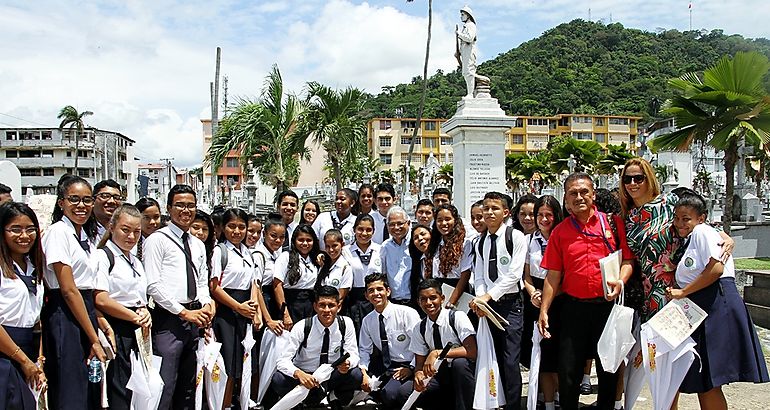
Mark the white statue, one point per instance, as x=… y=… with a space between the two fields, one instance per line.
x=466 y=50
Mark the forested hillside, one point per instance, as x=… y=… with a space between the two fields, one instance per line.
x=582 y=67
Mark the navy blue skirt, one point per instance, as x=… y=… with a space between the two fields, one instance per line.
x=727 y=342
x=230 y=329
x=14 y=392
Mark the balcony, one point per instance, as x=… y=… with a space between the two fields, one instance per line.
x=53 y=143
x=619 y=128
x=618 y=139
x=53 y=162
x=537 y=129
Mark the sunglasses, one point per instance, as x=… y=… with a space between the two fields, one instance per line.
x=638 y=179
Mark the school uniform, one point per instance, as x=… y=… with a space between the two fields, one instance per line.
x=362 y=263
x=397 y=264
x=498 y=273
x=465 y=263
x=384 y=348
x=453 y=385
x=21 y=300
x=290 y=227
x=330 y=220
x=177 y=277
x=65 y=344
x=299 y=296
x=340 y=275
x=126 y=284
x=322 y=345
x=728 y=322
x=265 y=261
x=380 y=227
x=236 y=280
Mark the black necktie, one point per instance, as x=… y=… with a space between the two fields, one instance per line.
x=385 y=233
x=436 y=337
x=130 y=264
x=364 y=257
x=325 y=346
x=84 y=244
x=384 y=341
x=286 y=239
x=192 y=291
x=29 y=280
x=492 y=267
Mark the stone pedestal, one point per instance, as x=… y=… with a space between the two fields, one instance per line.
x=478 y=132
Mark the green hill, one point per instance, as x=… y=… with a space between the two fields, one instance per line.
x=579 y=66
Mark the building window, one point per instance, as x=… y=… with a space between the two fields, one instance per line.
x=82 y=153
x=47 y=172
x=231 y=162
x=517 y=139
x=69 y=154
x=582 y=135
x=385 y=124
x=416 y=158
x=407 y=140
x=537 y=121
x=430 y=143
x=582 y=120
x=84 y=172
x=48 y=153
x=409 y=124
x=429 y=125
x=29 y=154
x=446 y=140
x=600 y=137
x=30 y=172
x=600 y=122
x=386 y=141
x=28 y=135
x=519 y=123
x=618 y=121
x=386 y=159
x=11 y=135
x=11 y=153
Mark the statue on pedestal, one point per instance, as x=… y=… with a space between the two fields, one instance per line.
x=466 y=55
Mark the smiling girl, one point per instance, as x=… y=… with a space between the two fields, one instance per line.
x=336 y=271
x=364 y=258
x=342 y=218
x=295 y=276
x=449 y=258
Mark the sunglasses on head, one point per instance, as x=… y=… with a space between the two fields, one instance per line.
x=636 y=178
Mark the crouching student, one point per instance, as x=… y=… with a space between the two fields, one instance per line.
x=386 y=334
x=322 y=338
x=452 y=385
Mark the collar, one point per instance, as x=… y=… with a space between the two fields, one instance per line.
x=117 y=251
x=262 y=248
x=500 y=232
x=175 y=229
x=441 y=314
x=389 y=310
x=354 y=247
x=339 y=263
x=404 y=242
x=331 y=327
x=30 y=267
x=591 y=220
x=240 y=248
x=71 y=226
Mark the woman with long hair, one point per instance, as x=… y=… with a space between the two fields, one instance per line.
x=151 y=222
x=449 y=258
x=21 y=300
x=341 y=218
x=335 y=271
x=70 y=339
x=295 y=276
x=309 y=213
x=523 y=214
x=419 y=245
x=364 y=258
x=121 y=297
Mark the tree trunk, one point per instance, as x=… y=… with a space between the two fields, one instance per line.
x=731 y=157
x=337 y=174
x=760 y=175
x=418 y=124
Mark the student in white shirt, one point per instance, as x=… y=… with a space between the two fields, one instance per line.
x=151 y=222
x=385 y=197
x=253 y=232
x=452 y=385
x=449 y=258
x=309 y=213
x=21 y=299
x=323 y=338
x=265 y=255
x=364 y=258
x=366 y=199
x=121 y=297
x=336 y=271
x=108 y=196
x=69 y=316
x=295 y=276
x=386 y=331
x=234 y=287
x=288 y=204
x=425 y=213
x=341 y=219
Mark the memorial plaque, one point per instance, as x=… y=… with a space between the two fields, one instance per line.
x=483 y=171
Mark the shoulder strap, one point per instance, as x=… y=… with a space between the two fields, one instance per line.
x=110 y=257
x=614 y=227
x=308 y=326
x=187 y=256
x=423 y=326
x=509 y=239
x=480 y=247
x=452 y=322
x=223 y=256
x=343 y=328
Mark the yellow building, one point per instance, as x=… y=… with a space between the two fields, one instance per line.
x=389 y=138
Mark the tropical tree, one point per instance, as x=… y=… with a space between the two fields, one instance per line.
x=583 y=153
x=616 y=157
x=727 y=106
x=70 y=116
x=662 y=175
x=264 y=131
x=532 y=168
x=333 y=119
x=446 y=174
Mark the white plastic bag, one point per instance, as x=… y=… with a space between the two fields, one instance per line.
x=488 y=392
x=616 y=339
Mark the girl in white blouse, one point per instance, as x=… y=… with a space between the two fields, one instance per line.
x=336 y=270
x=21 y=299
x=364 y=258
x=295 y=276
x=121 y=297
x=449 y=258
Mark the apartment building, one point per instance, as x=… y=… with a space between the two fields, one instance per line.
x=388 y=140
x=229 y=174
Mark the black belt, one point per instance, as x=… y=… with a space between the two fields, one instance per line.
x=509 y=296
x=596 y=300
x=194 y=305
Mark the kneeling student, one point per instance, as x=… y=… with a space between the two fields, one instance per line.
x=388 y=330
x=452 y=385
x=322 y=338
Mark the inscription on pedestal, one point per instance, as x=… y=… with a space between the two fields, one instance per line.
x=484 y=171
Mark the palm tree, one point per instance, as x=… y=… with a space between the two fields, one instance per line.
x=446 y=173
x=725 y=107
x=616 y=157
x=584 y=153
x=265 y=133
x=533 y=168
x=69 y=115
x=334 y=120
x=423 y=94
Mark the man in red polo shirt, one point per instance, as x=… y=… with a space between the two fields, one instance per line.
x=572 y=259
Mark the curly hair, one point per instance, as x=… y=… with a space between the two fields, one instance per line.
x=451 y=253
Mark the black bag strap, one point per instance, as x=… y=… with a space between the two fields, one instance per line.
x=223 y=257
x=509 y=240
x=187 y=256
x=110 y=258
x=424 y=326
x=309 y=326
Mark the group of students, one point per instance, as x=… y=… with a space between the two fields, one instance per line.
x=363 y=286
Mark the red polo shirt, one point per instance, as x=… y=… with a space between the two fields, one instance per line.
x=575 y=249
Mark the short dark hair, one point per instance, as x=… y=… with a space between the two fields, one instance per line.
x=385 y=187
x=694 y=201
x=286 y=193
x=424 y=202
x=607 y=202
x=271 y=222
x=107 y=183
x=429 y=284
x=326 y=291
x=442 y=191
x=576 y=176
x=5 y=189
x=143 y=203
x=496 y=196
x=179 y=189
x=509 y=201
x=374 y=277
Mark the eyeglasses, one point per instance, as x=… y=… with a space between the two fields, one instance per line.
x=181 y=207
x=18 y=230
x=74 y=200
x=396 y=224
x=105 y=196
x=638 y=179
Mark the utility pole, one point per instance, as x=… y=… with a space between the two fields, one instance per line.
x=215 y=118
x=168 y=167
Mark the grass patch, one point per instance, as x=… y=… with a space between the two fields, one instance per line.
x=752 y=263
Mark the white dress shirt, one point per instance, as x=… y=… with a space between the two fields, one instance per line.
x=325 y=221
x=510 y=268
x=340 y=275
x=127 y=283
x=399 y=322
x=397 y=264
x=240 y=270
x=165 y=264
x=18 y=306
x=60 y=244
x=380 y=226
x=308 y=272
x=307 y=359
x=465 y=262
x=352 y=253
x=703 y=245
x=422 y=344
x=267 y=270
x=535 y=253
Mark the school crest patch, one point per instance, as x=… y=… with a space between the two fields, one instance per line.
x=346 y=236
x=335 y=282
x=504 y=260
x=401 y=338
x=689 y=262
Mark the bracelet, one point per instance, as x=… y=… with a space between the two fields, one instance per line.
x=15 y=352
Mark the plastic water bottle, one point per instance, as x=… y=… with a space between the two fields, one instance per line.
x=95 y=371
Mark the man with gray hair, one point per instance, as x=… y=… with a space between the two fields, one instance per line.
x=394 y=254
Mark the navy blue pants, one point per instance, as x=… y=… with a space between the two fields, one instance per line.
x=176 y=341
x=452 y=387
x=389 y=394
x=508 y=346
x=343 y=386
x=14 y=393
x=119 y=370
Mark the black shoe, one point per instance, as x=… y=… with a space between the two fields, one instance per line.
x=335 y=405
x=585 y=388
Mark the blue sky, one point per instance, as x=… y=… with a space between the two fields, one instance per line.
x=144 y=67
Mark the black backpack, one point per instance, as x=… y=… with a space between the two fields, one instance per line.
x=477 y=250
x=309 y=326
x=452 y=321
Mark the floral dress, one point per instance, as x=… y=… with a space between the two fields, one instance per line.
x=651 y=239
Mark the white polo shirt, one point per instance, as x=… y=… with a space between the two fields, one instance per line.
x=422 y=344
x=340 y=275
x=308 y=272
x=535 y=253
x=266 y=273
x=399 y=321
x=60 y=244
x=18 y=306
x=326 y=221
x=355 y=256
x=240 y=271
x=465 y=262
x=293 y=357
x=703 y=245
x=127 y=283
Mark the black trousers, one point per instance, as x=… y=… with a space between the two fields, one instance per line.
x=176 y=341
x=508 y=346
x=119 y=370
x=343 y=386
x=14 y=392
x=452 y=387
x=389 y=394
x=582 y=324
